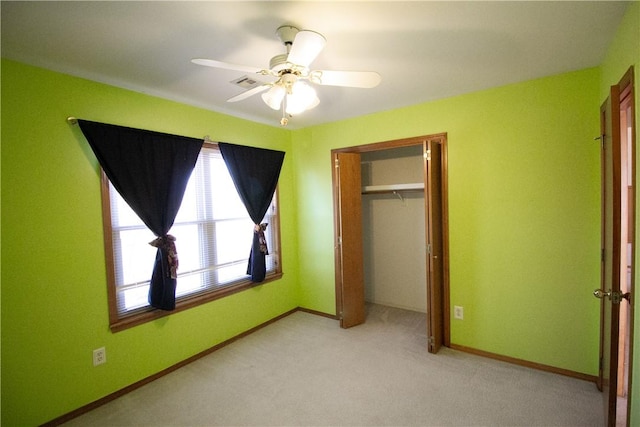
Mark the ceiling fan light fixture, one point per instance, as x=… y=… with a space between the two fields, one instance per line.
x=302 y=97
x=274 y=96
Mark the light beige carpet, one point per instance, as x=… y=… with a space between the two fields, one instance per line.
x=304 y=370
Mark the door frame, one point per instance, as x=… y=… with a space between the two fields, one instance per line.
x=441 y=139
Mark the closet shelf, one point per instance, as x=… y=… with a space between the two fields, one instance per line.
x=392 y=188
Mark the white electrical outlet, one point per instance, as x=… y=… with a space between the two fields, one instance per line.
x=458 y=312
x=99 y=356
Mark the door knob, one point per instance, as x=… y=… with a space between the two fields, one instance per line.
x=599 y=293
x=615 y=296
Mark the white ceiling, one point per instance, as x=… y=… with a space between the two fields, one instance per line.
x=424 y=50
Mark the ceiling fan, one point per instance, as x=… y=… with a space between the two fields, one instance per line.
x=290 y=92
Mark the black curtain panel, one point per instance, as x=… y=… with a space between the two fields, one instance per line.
x=255 y=173
x=150 y=170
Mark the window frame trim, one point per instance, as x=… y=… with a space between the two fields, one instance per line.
x=143 y=315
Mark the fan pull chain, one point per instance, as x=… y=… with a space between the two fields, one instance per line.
x=284 y=120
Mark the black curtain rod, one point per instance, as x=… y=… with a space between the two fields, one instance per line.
x=74 y=121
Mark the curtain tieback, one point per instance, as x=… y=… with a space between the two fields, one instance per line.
x=259 y=229
x=167 y=242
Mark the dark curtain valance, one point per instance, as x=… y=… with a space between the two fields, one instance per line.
x=255 y=173
x=150 y=170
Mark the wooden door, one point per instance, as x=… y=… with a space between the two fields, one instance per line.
x=435 y=243
x=348 y=239
x=618 y=269
x=610 y=269
x=627 y=249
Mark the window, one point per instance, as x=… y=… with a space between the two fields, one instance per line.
x=213 y=238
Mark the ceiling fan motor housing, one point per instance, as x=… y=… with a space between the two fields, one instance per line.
x=287 y=34
x=279 y=63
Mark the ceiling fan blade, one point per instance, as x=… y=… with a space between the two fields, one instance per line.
x=306 y=47
x=225 y=65
x=248 y=93
x=363 y=79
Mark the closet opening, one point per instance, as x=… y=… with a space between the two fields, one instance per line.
x=391 y=236
x=393 y=228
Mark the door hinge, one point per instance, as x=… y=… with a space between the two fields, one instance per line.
x=602 y=255
x=432 y=340
x=427 y=154
x=336 y=162
x=428 y=249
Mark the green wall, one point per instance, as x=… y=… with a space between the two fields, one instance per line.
x=523 y=219
x=523 y=213
x=623 y=53
x=54 y=301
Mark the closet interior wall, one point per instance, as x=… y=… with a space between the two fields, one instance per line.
x=394 y=229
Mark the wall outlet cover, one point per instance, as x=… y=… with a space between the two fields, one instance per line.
x=99 y=356
x=458 y=312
